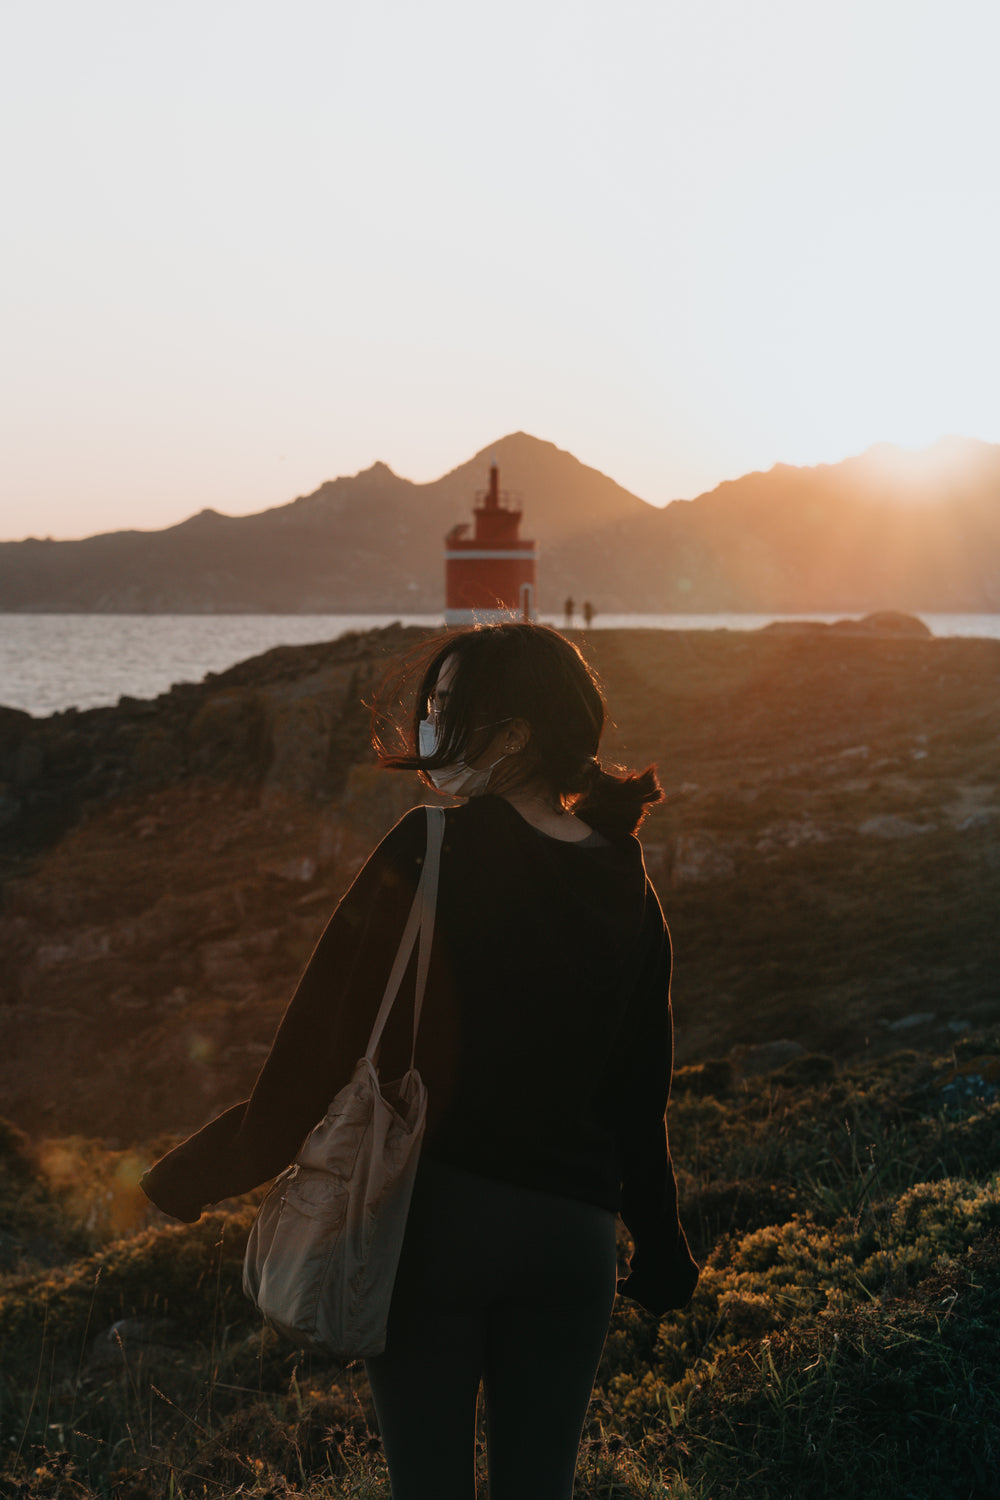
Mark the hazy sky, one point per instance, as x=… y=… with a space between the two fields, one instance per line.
x=248 y=247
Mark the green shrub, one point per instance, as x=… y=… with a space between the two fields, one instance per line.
x=191 y=1274
x=896 y=1399
x=841 y=1340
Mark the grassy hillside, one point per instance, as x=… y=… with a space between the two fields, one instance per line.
x=842 y=1338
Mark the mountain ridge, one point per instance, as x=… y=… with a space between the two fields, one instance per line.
x=885 y=529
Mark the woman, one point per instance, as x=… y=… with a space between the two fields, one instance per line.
x=545 y=1045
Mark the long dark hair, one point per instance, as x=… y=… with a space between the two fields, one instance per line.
x=516 y=671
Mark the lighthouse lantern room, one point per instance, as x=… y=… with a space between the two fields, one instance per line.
x=489 y=576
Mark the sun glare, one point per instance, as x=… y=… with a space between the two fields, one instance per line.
x=926 y=473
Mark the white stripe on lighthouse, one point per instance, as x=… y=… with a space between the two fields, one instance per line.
x=531 y=556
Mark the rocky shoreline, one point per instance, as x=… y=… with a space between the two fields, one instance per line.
x=830 y=863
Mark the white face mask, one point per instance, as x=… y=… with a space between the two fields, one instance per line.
x=458 y=780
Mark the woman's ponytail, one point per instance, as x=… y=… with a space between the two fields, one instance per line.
x=616 y=802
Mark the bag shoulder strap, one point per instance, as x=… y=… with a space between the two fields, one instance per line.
x=421 y=918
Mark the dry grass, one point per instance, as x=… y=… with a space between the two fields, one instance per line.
x=842 y=1336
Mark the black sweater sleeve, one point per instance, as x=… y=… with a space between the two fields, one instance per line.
x=324 y=1031
x=663 y=1273
x=327 y=1024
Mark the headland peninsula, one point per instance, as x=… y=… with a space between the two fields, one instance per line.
x=829 y=862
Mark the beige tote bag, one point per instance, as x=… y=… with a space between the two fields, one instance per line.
x=321 y=1259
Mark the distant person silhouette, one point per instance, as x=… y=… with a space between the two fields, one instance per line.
x=569 y=608
x=545 y=1046
x=588 y=614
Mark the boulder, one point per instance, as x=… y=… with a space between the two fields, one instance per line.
x=698 y=860
x=751 y=1061
x=134 y=1342
x=892 y=826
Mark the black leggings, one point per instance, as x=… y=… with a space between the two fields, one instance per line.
x=503 y=1285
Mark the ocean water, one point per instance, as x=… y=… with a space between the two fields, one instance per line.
x=53 y=662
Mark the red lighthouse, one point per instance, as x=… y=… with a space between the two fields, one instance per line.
x=489 y=576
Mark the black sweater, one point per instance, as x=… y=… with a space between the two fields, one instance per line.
x=545 y=1040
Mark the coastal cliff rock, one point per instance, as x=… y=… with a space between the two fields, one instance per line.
x=829 y=861
x=290 y=722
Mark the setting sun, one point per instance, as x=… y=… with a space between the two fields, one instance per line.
x=948 y=465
